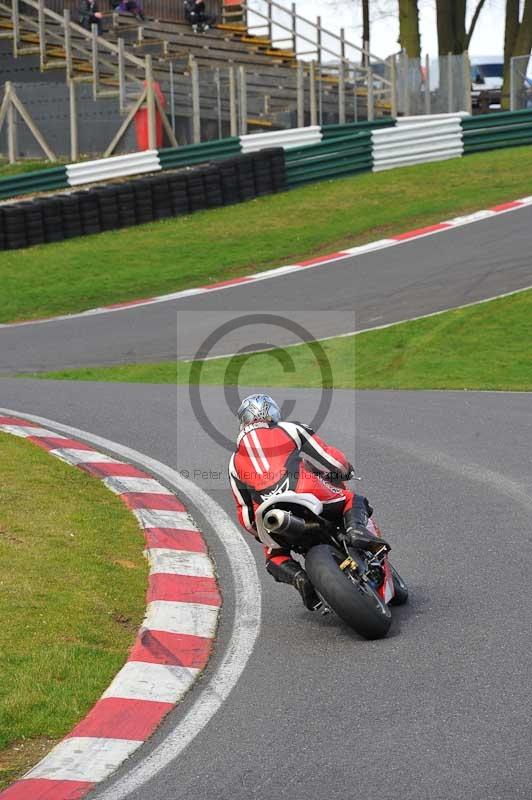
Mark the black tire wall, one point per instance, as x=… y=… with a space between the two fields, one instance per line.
x=123 y=205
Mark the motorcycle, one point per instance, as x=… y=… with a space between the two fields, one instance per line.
x=358 y=585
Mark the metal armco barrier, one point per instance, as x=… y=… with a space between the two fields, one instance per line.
x=155 y=197
x=117 y=167
x=332 y=131
x=172 y=157
x=44 y=180
x=294 y=137
x=426 y=118
x=345 y=155
x=417 y=144
x=494 y=131
x=153 y=161
x=314 y=153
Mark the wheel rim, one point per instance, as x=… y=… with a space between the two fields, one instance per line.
x=364 y=588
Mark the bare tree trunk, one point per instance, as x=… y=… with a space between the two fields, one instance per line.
x=459 y=27
x=511 y=29
x=445 y=25
x=451 y=21
x=409 y=37
x=517 y=41
x=523 y=41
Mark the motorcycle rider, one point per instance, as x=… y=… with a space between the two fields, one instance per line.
x=273 y=456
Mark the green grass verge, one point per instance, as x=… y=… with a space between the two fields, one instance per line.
x=486 y=346
x=228 y=242
x=73 y=596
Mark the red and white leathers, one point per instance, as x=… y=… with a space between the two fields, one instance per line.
x=273 y=458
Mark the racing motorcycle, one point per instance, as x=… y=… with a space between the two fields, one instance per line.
x=358 y=585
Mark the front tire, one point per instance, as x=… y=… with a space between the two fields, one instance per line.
x=357 y=604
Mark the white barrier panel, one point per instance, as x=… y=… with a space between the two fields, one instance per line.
x=423 y=118
x=119 y=166
x=295 y=137
x=422 y=158
x=395 y=149
x=408 y=133
x=435 y=140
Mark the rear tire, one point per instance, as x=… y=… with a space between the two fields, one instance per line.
x=400 y=588
x=358 y=605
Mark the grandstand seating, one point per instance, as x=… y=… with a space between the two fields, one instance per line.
x=270 y=72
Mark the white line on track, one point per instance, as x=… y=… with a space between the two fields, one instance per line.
x=375 y=327
x=348 y=253
x=247 y=614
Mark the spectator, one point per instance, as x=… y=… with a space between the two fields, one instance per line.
x=133 y=7
x=89 y=15
x=196 y=15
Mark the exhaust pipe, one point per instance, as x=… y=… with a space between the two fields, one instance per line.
x=277 y=521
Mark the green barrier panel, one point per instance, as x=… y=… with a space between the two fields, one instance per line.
x=198 y=153
x=329 y=174
x=501 y=137
x=336 y=155
x=332 y=146
x=352 y=152
x=333 y=158
x=334 y=149
x=39 y=181
x=497 y=118
x=191 y=148
x=330 y=131
x=332 y=162
x=500 y=129
x=330 y=168
x=496 y=131
x=496 y=139
x=483 y=146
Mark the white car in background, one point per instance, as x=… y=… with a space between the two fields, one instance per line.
x=486 y=81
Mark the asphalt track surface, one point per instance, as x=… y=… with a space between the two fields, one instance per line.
x=460 y=265
x=439 y=709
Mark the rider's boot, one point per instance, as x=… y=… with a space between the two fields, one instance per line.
x=356 y=526
x=291 y=572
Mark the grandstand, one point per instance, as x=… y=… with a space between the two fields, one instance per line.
x=254 y=70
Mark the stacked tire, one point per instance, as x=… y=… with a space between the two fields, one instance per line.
x=154 y=197
x=277 y=167
x=262 y=173
x=108 y=205
x=178 y=188
x=127 y=210
x=213 y=187
x=196 y=189
x=89 y=211
x=229 y=181
x=246 y=177
x=34 y=224
x=14 y=227
x=160 y=192
x=71 y=217
x=143 y=201
x=52 y=219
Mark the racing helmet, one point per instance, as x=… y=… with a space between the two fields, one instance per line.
x=258 y=408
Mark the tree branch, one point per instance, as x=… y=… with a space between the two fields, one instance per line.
x=478 y=9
